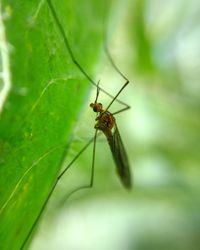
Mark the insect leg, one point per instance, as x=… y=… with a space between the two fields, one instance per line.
x=90 y=185
x=121 y=74
x=67 y=44
x=52 y=189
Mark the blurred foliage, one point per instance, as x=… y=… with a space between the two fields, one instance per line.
x=155 y=44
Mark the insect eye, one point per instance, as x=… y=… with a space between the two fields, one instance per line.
x=95 y=109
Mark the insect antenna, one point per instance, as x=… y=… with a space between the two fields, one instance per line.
x=98 y=91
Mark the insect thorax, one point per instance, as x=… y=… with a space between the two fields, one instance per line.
x=105 y=122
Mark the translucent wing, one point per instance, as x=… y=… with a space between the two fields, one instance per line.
x=120 y=157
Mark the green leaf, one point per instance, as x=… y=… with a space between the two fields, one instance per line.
x=43 y=106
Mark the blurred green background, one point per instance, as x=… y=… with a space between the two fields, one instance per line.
x=156 y=45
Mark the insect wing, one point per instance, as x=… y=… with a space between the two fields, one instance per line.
x=120 y=158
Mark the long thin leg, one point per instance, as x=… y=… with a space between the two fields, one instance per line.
x=119 y=72
x=112 y=61
x=66 y=42
x=115 y=98
x=90 y=185
x=55 y=184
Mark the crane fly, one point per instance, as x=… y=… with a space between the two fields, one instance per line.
x=105 y=122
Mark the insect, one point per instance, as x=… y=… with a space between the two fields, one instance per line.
x=105 y=122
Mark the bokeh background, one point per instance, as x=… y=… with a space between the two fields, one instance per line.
x=156 y=44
